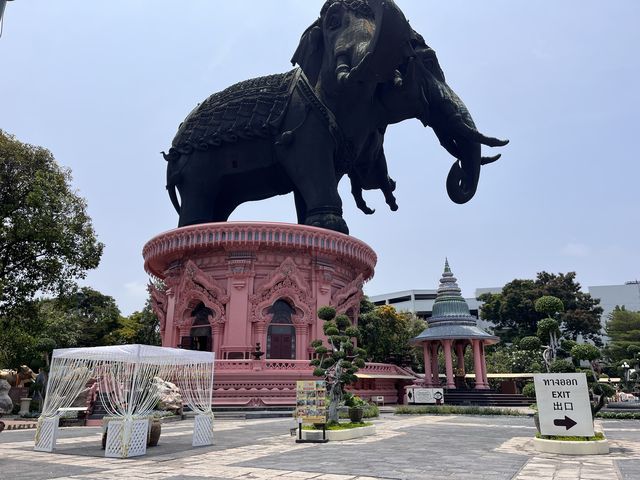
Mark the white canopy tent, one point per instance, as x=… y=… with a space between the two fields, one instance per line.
x=125 y=376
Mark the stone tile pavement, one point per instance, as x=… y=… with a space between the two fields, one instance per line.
x=412 y=448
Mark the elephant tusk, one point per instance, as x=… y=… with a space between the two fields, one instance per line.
x=488 y=160
x=476 y=136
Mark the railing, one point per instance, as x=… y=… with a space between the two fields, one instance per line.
x=250 y=234
x=277 y=364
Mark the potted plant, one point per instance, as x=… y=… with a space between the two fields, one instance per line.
x=356 y=408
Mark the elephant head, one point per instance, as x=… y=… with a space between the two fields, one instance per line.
x=424 y=94
x=353 y=41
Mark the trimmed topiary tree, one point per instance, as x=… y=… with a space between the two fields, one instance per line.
x=549 y=328
x=530 y=344
x=562 y=366
x=338 y=362
x=599 y=391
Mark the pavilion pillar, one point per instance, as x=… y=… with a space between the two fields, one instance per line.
x=446 y=344
x=483 y=364
x=477 y=365
x=426 y=349
x=435 y=369
x=460 y=356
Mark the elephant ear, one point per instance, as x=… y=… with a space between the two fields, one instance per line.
x=310 y=51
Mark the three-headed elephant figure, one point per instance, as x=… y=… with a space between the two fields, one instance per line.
x=361 y=68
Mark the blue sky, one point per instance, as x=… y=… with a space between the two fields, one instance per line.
x=104 y=86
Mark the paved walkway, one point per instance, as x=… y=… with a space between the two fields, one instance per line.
x=412 y=448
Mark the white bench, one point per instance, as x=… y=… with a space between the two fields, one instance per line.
x=378 y=400
x=71 y=412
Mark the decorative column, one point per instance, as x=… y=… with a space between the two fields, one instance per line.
x=426 y=347
x=259 y=331
x=483 y=364
x=435 y=369
x=302 y=334
x=460 y=356
x=446 y=345
x=168 y=339
x=217 y=332
x=184 y=331
x=477 y=366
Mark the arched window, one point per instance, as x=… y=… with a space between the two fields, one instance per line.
x=200 y=335
x=281 y=335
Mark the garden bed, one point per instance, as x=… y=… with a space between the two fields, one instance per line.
x=578 y=446
x=340 y=432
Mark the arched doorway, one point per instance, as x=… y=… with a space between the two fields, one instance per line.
x=281 y=335
x=200 y=335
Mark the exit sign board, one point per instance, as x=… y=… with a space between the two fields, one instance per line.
x=563 y=404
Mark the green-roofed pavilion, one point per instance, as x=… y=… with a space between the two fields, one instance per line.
x=451 y=328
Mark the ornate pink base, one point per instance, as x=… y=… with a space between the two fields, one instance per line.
x=222 y=282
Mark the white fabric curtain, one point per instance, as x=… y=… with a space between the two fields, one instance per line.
x=195 y=381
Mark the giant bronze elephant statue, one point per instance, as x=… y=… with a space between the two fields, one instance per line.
x=362 y=68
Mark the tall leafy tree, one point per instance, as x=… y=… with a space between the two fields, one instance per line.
x=514 y=314
x=47 y=239
x=386 y=333
x=623 y=328
x=513 y=310
x=139 y=327
x=96 y=314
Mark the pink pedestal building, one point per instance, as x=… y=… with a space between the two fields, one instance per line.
x=231 y=286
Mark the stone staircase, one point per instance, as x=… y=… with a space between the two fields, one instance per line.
x=98 y=410
x=486 y=398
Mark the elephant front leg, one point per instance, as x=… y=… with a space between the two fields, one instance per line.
x=310 y=168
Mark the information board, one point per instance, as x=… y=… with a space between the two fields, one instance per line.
x=563 y=404
x=425 y=395
x=311 y=401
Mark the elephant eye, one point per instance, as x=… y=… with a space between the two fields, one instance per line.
x=334 y=22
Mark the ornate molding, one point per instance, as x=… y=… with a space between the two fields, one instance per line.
x=286 y=282
x=196 y=286
x=159 y=303
x=349 y=296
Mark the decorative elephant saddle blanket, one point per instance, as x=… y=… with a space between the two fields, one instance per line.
x=254 y=108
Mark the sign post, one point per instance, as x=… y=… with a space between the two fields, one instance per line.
x=311 y=407
x=563 y=404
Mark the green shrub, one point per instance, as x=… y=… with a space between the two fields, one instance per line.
x=326 y=313
x=619 y=415
x=585 y=352
x=338 y=426
x=597 y=436
x=455 y=410
x=548 y=305
x=562 y=366
x=529 y=390
x=530 y=344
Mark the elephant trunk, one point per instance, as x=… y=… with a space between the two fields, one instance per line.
x=462 y=181
x=456 y=130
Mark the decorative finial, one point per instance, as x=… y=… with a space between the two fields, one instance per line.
x=446 y=265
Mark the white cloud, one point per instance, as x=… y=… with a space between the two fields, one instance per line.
x=576 y=250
